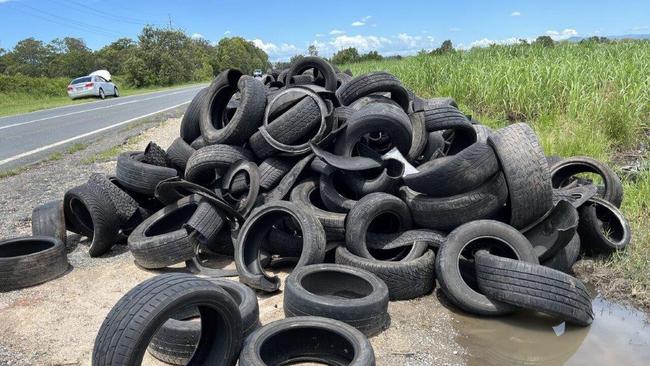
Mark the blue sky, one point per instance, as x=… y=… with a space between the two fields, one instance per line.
x=285 y=28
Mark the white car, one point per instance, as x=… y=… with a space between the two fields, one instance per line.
x=97 y=84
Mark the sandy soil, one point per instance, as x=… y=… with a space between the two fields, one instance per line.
x=56 y=323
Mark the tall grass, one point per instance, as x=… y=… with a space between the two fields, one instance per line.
x=582 y=99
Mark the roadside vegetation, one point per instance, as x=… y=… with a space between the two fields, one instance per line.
x=591 y=98
x=34 y=74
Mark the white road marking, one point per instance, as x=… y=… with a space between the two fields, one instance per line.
x=89 y=110
x=63 y=142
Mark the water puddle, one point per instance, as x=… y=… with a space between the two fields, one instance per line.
x=618 y=336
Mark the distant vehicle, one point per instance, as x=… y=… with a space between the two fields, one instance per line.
x=97 y=84
x=257 y=73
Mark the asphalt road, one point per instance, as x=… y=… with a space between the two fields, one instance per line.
x=28 y=137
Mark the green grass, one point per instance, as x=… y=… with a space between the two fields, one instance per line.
x=18 y=103
x=582 y=99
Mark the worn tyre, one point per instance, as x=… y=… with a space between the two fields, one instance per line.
x=48 y=219
x=190 y=129
x=565 y=259
x=447 y=213
x=602 y=227
x=92 y=213
x=451 y=175
x=334 y=200
x=563 y=171
x=535 y=287
x=179 y=152
x=205 y=161
x=405 y=280
x=134 y=174
x=526 y=171
x=29 y=261
x=254 y=231
x=125 y=205
x=271 y=172
x=325 y=70
x=128 y=328
x=175 y=341
x=351 y=295
x=460 y=246
x=306 y=195
x=375 y=82
x=307 y=339
x=216 y=126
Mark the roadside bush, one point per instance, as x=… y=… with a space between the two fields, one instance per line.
x=37 y=86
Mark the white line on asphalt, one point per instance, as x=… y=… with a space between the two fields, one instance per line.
x=46 y=147
x=101 y=101
x=89 y=110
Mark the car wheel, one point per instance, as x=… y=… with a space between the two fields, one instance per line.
x=101 y=94
x=116 y=93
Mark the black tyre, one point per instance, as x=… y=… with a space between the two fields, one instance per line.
x=216 y=126
x=135 y=175
x=179 y=152
x=307 y=196
x=405 y=280
x=375 y=82
x=272 y=170
x=48 y=219
x=154 y=155
x=190 y=129
x=129 y=326
x=419 y=139
x=125 y=205
x=102 y=96
x=334 y=291
x=602 y=227
x=93 y=214
x=30 y=261
x=324 y=68
x=175 y=341
x=458 y=251
x=449 y=118
x=254 y=232
x=563 y=171
x=307 y=339
x=297 y=124
x=526 y=171
x=460 y=173
x=447 y=213
x=565 y=259
x=534 y=287
x=206 y=162
x=162 y=239
x=333 y=199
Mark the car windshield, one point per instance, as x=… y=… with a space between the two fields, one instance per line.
x=81 y=80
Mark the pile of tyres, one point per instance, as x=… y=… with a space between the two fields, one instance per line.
x=368 y=192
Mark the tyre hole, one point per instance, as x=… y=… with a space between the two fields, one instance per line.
x=172 y=221
x=336 y=285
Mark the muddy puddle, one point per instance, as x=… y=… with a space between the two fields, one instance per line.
x=618 y=336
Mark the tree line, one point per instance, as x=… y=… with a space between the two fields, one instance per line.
x=159 y=56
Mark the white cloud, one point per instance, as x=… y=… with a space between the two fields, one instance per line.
x=318 y=35
x=454 y=29
x=336 y=31
x=194 y=36
x=640 y=28
x=562 y=35
x=4 y=1
x=515 y=14
x=226 y=32
x=485 y=42
x=362 y=21
x=277 y=52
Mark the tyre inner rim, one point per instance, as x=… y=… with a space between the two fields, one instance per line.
x=23 y=247
x=293 y=346
x=172 y=221
x=336 y=285
x=386 y=223
x=492 y=244
x=369 y=174
x=219 y=107
x=612 y=228
x=82 y=214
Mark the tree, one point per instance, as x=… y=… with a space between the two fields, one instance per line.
x=312 y=50
x=344 y=56
x=113 y=56
x=445 y=47
x=371 y=56
x=70 y=57
x=29 y=57
x=238 y=53
x=544 y=41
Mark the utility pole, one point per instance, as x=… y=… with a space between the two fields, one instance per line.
x=170 y=20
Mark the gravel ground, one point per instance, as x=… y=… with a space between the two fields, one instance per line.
x=56 y=323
